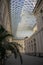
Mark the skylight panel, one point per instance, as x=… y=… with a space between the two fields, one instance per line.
x=21 y=12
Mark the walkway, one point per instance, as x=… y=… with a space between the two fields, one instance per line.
x=27 y=60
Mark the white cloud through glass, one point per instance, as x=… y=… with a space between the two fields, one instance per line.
x=23 y=19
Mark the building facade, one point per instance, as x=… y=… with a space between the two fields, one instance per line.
x=35 y=28
x=5 y=17
x=34 y=44
x=38 y=12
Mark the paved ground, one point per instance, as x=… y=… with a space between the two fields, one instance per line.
x=27 y=60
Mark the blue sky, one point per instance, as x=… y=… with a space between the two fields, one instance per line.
x=22 y=18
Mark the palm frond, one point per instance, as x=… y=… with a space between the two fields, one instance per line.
x=12 y=46
x=12 y=49
x=2 y=52
x=1 y=29
x=18 y=44
x=4 y=36
x=15 y=47
x=18 y=52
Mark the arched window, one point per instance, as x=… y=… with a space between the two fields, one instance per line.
x=34 y=40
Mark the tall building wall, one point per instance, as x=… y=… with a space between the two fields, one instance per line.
x=5 y=18
x=38 y=12
x=35 y=28
x=34 y=44
x=36 y=40
x=1 y=11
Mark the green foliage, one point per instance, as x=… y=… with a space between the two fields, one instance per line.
x=8 y=46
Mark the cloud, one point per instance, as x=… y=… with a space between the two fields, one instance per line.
x=22 y=34
x=26 y=22
x=22 y=18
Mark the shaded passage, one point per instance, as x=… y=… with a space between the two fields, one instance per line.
x=27 y=60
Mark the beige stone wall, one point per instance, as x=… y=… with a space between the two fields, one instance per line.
x=1 y=11
x=35 y=28
x=38 y=12
x=29 y=44
x=5 y=18
x=34 y=44
x=39 y=15
x=4 y=15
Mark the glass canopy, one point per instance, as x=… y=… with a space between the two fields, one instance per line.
x=22 y=17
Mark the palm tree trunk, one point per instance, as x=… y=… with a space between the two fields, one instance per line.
x=3 y=62
x=0 y=61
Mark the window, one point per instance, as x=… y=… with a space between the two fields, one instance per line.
x=34 y=40
x=29 y=45
x=41 y=11
x=31 y=41
x=32 y=47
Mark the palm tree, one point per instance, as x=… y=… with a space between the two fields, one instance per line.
x=7 y=46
